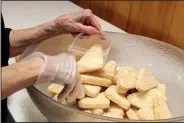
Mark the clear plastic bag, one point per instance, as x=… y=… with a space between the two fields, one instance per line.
x=82 y=43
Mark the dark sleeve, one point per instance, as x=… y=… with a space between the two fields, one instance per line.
x=5 y=43
x=5 y=52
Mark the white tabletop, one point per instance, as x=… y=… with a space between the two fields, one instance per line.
x=24 y=14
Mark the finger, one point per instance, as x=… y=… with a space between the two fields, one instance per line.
x=74 y=78
x=90 y=18
x=73 y=94
x=77 y=16
x=87 y=29
x=94 y=22
x=81 y=93
x=78 y=92
x=65 y=92
x=102 y=36
x=80 y=16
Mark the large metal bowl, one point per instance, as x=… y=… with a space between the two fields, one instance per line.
x=165 y=61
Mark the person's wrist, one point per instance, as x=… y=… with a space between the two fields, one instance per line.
x=59 y=23
x=38 y=61
x=55 y=27
x=37 y=64
x=45 y=31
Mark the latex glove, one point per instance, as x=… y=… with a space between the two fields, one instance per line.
x=78 y=22
x=61 y=69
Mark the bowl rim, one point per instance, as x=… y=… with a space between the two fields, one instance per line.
x=181 y=118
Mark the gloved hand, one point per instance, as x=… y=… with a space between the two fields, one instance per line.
x=78 y=22
x=61 y=69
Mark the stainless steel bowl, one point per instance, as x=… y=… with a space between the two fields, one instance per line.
x=165 y=61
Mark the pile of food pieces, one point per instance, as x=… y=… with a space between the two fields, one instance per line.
x=117 y=92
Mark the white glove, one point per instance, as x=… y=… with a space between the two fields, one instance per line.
x=61 y=69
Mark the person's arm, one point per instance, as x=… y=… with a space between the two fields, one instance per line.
x=73 y=23
x=20 y=75
x=21 y=39
x=38 y=68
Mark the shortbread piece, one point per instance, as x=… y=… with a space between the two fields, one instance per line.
x=108 y=71
x=162 y=88
x=98 y=111
x=55 y=88
x=92 y=90
x=116 y=109
x=99 y=102
x=118 y=99
x=126 y=79
x=131 y=114
x=145 y=99
x=145 y=81
x=94 y=80
x=145 y=113
x=92 y=60
x=161 y=109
